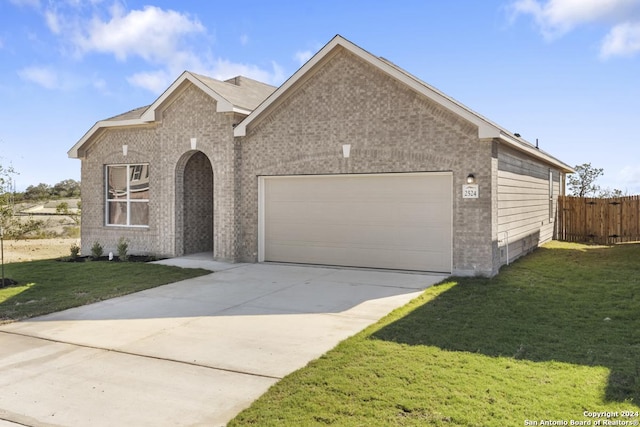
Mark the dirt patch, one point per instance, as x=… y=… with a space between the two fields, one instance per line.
x=34 y=249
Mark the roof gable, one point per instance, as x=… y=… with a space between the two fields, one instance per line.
x=486 y=128
x=239 y=94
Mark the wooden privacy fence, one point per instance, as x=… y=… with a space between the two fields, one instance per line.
x=602 y=221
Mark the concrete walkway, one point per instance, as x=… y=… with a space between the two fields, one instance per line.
x=190 y=353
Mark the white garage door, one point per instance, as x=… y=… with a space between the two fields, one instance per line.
x=394 y=221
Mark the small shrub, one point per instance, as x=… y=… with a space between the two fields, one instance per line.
x=96 y=250
x=75 y=251
x=123 y=249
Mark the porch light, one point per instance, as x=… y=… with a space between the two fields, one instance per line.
x=471 y=179
x=346 y=150
x=125 y=149
x=194 y=142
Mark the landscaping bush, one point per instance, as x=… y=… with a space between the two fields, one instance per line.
x=123 y=249
x=96 y=250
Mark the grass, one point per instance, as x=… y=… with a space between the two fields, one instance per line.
x=49 y=286
x=555 y=334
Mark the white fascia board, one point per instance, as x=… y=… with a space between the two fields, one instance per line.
x=73 y=152
x=486 y=130
x=240 y=130
x=241 y=111
x=535 y=152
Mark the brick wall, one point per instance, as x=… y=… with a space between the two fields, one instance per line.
x=166 y=146
x=390 y=128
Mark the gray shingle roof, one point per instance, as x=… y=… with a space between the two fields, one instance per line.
x=133 y=114
x=242 y=92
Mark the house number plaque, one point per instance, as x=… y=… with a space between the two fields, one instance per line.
x=470 y=191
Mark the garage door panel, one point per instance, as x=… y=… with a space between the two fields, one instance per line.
x=365 y=257
x=357 y=212
x=400 y=221
x=356 y=187
x=424 y=238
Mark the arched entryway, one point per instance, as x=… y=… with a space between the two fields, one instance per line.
x=195 y=204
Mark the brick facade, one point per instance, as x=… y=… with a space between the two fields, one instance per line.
x=390 y=128
x=206 y=199
x=166 y=146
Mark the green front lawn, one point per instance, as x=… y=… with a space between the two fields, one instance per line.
x=555 y=334
x=50 y=286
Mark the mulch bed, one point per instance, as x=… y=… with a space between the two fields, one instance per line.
x=7 y=282
x=130 y=258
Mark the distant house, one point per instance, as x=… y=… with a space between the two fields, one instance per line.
x=351 y=162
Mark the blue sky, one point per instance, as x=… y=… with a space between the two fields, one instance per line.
x=566 y=72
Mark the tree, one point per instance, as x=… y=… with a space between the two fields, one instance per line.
x=607 y=193
x=67 y=188
x=582 y=183
x=6 y=205
x=38 y=192
x=12 y=226
x=6 y=214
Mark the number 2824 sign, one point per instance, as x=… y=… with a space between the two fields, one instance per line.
x=470 y=191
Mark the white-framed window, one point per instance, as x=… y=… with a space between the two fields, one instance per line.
x=127 y=195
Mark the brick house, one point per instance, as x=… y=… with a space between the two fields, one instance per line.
x=351 y=162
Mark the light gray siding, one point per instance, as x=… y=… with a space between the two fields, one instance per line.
x=527 y=196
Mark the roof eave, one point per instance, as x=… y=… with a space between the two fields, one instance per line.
x=534 y=152
x=486 y=128
x=74 y=152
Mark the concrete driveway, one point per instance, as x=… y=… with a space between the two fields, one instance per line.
x=195 y=352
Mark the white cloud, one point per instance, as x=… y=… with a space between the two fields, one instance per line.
x=158 y=36
x=52 y=78
x=51 y=17
x=244 y=39
x=303 y=56
x=555 y=18
x=166 y=41
x=43 y=76
x=622 y=40
x=153 y=34
x=154 y=81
